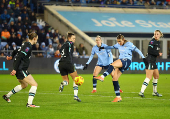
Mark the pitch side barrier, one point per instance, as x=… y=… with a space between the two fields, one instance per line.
x=50 y=66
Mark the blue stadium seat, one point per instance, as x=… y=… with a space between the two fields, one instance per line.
x=3 y=44
x=158 y=2
x=25 y=2
x=135 y=2
x=32 y=7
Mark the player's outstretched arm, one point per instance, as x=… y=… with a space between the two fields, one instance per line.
x=139 y=52
x=90 y=59
x=85 y=66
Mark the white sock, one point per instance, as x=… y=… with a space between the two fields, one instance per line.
x=145 y=84
x=32 y=93
x=75 y=88
x=65 y=83
x=94 y=88
x=154 y=82
x=15 y=90
x=102 y=76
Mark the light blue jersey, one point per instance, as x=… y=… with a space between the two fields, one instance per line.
x=125 y=50
x=104 y=56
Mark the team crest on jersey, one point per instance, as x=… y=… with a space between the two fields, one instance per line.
x=152 y=42
x=27 y=49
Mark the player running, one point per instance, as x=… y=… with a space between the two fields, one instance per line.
x=151 y=67
x=104 y=59
x=120 y=65
x=66 y=65
x=20 y=66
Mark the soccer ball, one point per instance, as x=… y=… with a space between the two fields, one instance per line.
x=79 y=80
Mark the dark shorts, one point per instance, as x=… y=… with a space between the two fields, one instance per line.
x=151 y=66
x=21 y=74
x=66 y=68
x=103 y=67
x=126 y=63
x=151 y=62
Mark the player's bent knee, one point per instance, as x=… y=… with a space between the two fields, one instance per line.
x=24 y=86
x=34 y=84
x=156 y=77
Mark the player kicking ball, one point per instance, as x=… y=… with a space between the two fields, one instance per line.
x=105 y=57
x=120 y=65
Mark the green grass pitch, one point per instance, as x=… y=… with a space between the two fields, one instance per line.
x=56 y=105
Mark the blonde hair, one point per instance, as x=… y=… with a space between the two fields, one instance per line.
x=32 y=35
x=98 y=37
x=159 y=32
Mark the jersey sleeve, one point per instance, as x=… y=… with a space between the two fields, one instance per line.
x=109 y=54
x=14 y=53
x=134 y=48
x=25 y=49
x=91 y=56
x=111 y=47
x=131 y=46
x=139 y=52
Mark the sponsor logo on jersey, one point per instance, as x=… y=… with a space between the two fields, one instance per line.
x=27 y=49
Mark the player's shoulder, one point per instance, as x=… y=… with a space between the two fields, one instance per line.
x=129 y=43
x=103 y=45
x=152 y=41
x=69 y=42
x=94 y=47
x=26 y=44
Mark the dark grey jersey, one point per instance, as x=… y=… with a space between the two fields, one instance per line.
x=67 y=52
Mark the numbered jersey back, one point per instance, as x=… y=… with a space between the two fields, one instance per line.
x=67 y=52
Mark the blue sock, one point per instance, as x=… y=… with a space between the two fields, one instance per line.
x=109 y=70
x=94 y=82
x=116 y=88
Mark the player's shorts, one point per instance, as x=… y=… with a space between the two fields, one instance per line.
x=151 y=62
x=151 y=66
x=66 y=68
x=126 y=63
x=103 y=67
x=21 y=74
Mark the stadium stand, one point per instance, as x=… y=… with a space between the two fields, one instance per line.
x=18 y=17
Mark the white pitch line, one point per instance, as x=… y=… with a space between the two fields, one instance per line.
x=160 y=98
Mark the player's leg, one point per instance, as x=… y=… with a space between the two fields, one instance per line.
x=115 y=78
x=64 y=82
x=16 y=89
x=118 y=75
x=113 y=66
x=75 y=87
x=149 y=74
x=154 y=82
x=30 y=80
x=97 y=70
x=23 y=84
x=63 y=67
